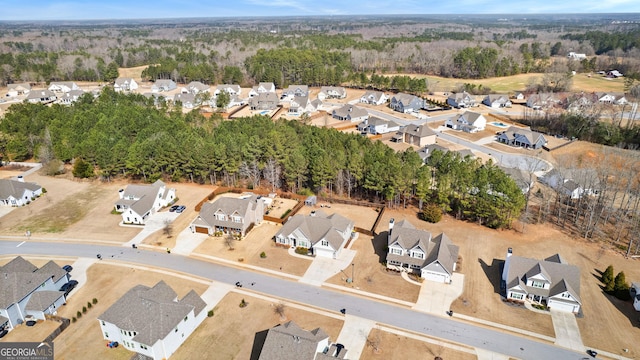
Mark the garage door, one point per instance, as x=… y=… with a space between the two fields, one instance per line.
x=434 y=277
x=202 y=230
x=556 y=305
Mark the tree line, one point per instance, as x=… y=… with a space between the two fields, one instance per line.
x=125 y=135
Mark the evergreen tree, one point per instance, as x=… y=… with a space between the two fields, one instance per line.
x=621 y=287
x=607 y=276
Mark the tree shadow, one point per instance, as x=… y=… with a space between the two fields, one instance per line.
x=494 y=273
x=626 y=308
x=380 y=245
x=258 y=343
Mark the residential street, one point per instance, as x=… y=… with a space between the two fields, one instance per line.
x=441 y=327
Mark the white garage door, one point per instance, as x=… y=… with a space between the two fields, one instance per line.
x=562 y=306
x=434 y=277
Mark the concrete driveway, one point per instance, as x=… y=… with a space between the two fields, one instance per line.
x=436 y=298
x=354 y=334
x=187 y=241
x=567 y=331
x=156 y=222
x=323 y=268
x=79 y=272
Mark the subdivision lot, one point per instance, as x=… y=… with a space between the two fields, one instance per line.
x=363 y=216
x=389 y=345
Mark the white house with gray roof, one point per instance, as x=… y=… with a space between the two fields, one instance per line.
x=461 y=100
x=163 y=85
x=351 y=113
x=416 y=251
x=63 y=86
x=375 y=125
x=323 y=235
x=288 y=341
x=16 y=89
x=372 y=97
x=124 y=84
x=292 y=91
x=552 y=281
x=522 y=137
x=635 y=294
x=18 y=192
x=332 y=92
x=138 y=202
x=231 y=89
x=195 y=87
x=229 y=215
x=263 y=87
x=42 y=96
x=29 y=291
x=406 y=103
x=152 y=321
x=469 y=121
x=497 y=101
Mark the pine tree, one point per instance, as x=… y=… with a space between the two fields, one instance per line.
x=607 y=276
x=621 y=288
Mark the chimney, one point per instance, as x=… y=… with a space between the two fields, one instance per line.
x=121 y=193
x=20 y=178
x=505 y=270
x=391 y=222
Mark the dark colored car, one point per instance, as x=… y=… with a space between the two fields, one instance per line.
x=174 y=208
x=67 y=268
x=180 y=208
x=30 y=322
x=592 y=353
x=3 y=332
x=69 y=286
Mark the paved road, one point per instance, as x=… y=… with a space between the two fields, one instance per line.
x=440 y=327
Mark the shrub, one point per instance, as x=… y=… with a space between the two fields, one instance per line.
x=78 y=314
x=263 y=255
x=94 y=301
x=608 y=280
x=210 y=313
x=621 y=288
x=431 y=213
x=285 y=214
x=73 y=319
x=243 y=303
x=84 y=309
x=302 y=250
x=44 y=190
x=89 y=305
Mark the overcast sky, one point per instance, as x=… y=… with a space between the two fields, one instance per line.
x=140 y=9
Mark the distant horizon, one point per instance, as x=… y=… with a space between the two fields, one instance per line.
x=114 y=10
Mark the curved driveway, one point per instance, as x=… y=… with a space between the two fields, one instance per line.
x=440 y=327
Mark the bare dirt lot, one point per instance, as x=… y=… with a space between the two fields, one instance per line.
x=390 y=345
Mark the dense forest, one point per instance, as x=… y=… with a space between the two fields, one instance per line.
x=289 y=50
x=125 y=135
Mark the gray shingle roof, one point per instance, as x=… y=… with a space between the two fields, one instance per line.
x=318 y=227
x=418 y=130
x=561 y=275
x=152 y=313
x=228 y=206
x=290 y=342
x=143 y=197
x=41 y=300
x=52 y=269
x=351 y=111
x=124 y=81
x=513 y=133
x=18 y=278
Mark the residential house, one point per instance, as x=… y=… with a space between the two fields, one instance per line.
x=235 y=100
x=461 y=100
x=138 y=202
x=523 y=137
x=263 y=87
x=41 y=96
x=523 y=179
x=635 y=294
x=63 y=86
x=264 y=101
x=18 y=192
x=426 y=152
x=288 y=341
x=195 y=87
x=497 y=101
x=231 y=89
x=611 y=98
x=302 y=105
x=125 y=84
x=16 y=89
x=614 y=74
x=519 y=96
x=375 y=125
x=292 y=91
x=229 y=215
x=188 y=100
x=351 y=113
x=573 y=183
x=576 y=56
x=542 y=100
x=551 y=281
x=27 y=291
x=469 y=121
x=152 y=321
x=163 y=85
x=579 y=102
x=323 y=235
x=374 y=97
x=158 y=99
x=406 y=103
x=70 y=97
x=417 y=252
x=332 y=92
x=418 y=135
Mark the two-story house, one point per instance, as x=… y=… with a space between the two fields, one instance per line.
x=263 y=101
x=406 y=103
x=63 y=86
x=375 y=125
x=303 y=105
x=70 y=97
x=263 y=87
x=229 y=215
x=323 y=235
x=469 y=121
x=29 y=291
x=461 y=100
x=152 y=321
x=231 y=89
x=522 y=137
x=372 y=97
x=497 y=101
x=288 y=341
x=416 y=251
x=125 y=84
x=332 y=92
x=417 y=135
x=163 y=85
x=292 y=91
x=195 y=88
x=16 y=89
x=551 y=281
x=45 y=96
x=18 y=192
x=351 y=113
x=138 y=202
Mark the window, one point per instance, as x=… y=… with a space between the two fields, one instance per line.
x=143 y=347
x=537 y=284
x=175 y=330
x=186 y=317
x=566 y=295
x=517 y=296
x=102 y=322
x=106 y=334
x=418 y=255
x=325 y=243
x=396 y=251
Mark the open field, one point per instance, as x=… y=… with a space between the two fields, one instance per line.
x=391 y=345
x=133 y=72
x=482 y=252
x=510 y=84
x=370 y=275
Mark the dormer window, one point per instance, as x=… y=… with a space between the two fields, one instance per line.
x=396 y=251
x=418 y=255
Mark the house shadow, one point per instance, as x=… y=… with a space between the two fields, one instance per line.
x=380 y=245
x=626 y=308
x=493 y=272
x=258 y=343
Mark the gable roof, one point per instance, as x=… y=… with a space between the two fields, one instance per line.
x=52 y=269
x=317 y=227
x=41 y=300
x=143 y=196
x=349 y=110
x=470 y=116
x=418 y=130
x=404 y=98
x=514 y=133
x=229 y=88
x=227 y=206
x=290 y=342
x=198 y=86
x=520 y=268
x=150 y=312
x=337 y=89
x=373 y=95
x=38 y=94
x=292 y=89
x=19 y=277
x=19 y=86
x=122 y=81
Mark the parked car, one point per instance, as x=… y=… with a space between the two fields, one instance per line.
x=69 y=286
x=592 y=353
x=30 y=322
x=180 y=208
x=67 y=268
x=3 y=332
x=112 y=344
x=174 y=208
